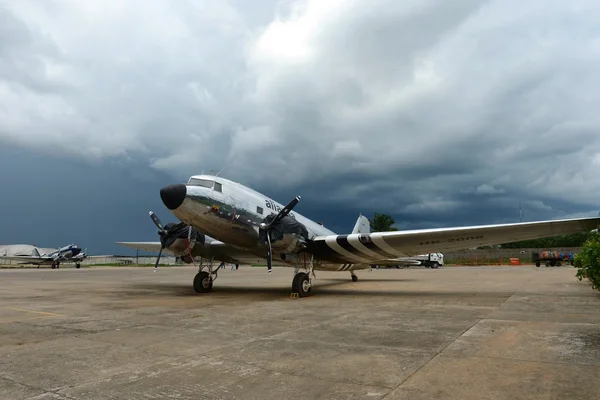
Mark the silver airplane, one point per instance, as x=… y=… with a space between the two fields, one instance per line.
x=71 y=253
x=247 y=227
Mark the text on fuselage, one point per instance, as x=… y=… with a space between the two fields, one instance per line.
x=270 y=204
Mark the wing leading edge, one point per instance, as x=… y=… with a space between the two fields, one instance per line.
x=377 y=246
x=215 y=249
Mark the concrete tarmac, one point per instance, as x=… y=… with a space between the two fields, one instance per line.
x=451 y=333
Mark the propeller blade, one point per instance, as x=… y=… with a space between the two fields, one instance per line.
x=156 y=221
x=158 y=258
x=285 y=211
x=269 y=253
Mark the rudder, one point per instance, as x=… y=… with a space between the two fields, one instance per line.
x=362 y=225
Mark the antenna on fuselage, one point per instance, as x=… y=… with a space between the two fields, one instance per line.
x=221 y=170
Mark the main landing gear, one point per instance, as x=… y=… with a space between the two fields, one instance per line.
x=304 y=280
x=203 y=281
x=302 y=284
x=354 y=277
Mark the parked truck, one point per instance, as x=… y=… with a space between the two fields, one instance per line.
x=432 y=260
x=552 y=258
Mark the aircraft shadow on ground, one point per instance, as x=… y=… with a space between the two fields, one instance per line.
x=340 y=288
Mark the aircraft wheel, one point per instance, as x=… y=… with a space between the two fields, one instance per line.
x=354 y=278
x=301 y=284
x=77 y=266
x=202 y=282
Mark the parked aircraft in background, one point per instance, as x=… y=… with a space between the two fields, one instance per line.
x=248 y=227
x=71 y=253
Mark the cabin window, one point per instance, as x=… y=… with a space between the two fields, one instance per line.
x=218 y=187
x=259 y=210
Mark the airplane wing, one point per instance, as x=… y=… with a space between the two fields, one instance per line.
x=26 y=259
x=373 y=247
x=147 y=246
x=214 y=249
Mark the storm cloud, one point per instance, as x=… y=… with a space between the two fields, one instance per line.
x=439 y=113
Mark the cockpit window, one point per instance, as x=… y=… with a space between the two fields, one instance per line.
x=207 y=183
x=201 y=182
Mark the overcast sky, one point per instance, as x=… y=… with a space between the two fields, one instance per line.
x=440 y=113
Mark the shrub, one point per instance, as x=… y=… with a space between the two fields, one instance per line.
x=587 y=261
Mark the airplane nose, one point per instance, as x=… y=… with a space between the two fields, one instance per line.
x=173 y=195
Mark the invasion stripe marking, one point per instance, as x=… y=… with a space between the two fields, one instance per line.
x=331 y=242
x=342 y=240
x=345 y=267
x=354 y=241
x=372 y=255
x=367 y=241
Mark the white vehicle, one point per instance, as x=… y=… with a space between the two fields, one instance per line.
x=226 y=221
x=431 y=260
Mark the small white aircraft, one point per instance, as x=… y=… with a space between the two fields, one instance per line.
x=67 y=254
x=247 y=227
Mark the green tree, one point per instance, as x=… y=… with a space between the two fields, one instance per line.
x=382 y=223
x=587 y=261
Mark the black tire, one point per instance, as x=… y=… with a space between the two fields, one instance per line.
x=435 y=264
x=301 y=285
x=77 y=266
x=558 y=264
x=202 y=282
x=354 y=278
x=537 y=264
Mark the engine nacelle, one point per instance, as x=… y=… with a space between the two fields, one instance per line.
x=289 y=244
x=287 y=235
x=177 y=240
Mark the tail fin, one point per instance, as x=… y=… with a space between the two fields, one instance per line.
x=362 y=225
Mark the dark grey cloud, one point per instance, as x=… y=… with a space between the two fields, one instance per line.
x=439 y=113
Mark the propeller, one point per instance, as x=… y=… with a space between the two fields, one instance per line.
x=170 y=232
x=265 y=228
